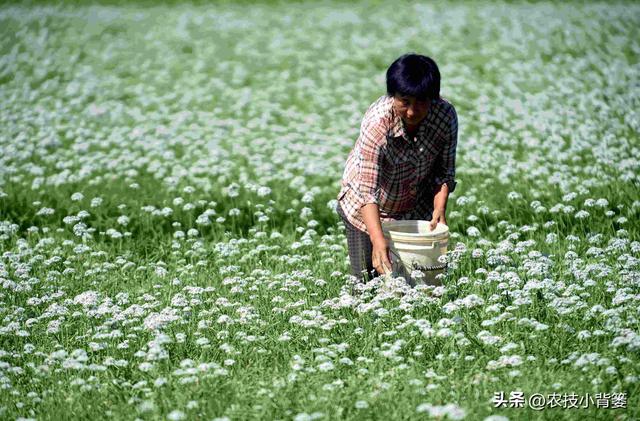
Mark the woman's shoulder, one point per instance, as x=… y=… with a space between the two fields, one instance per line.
x=379 y=111
x=446 y=110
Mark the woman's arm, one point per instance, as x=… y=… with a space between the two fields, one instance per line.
x=440 y=206
x=445 y=178
x=370 y=146
x=380 y=253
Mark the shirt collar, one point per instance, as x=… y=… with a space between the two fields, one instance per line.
x=398 y=129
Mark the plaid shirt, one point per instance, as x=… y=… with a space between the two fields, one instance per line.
x=397 y=173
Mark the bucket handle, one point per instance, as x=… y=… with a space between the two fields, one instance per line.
x=429 y=268
x=395 y=254
x=429 y=247
x=416 y=266
x=386 y=269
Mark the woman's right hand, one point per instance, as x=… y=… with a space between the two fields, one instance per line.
x=380 y=253
x=380 y=256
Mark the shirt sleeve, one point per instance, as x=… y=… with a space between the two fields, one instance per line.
x=446 y=170
x=370 y=147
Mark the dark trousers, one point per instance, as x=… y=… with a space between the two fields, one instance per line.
x=360 y=249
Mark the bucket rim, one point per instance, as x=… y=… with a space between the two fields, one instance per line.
x=439 y=232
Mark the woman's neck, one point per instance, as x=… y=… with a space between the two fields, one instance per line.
x=411 y=129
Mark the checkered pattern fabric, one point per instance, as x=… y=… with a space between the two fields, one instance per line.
x=360 y=249
x=397 y=173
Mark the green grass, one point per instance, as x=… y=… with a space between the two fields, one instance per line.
x=171 y=112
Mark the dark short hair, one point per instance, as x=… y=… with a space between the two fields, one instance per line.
x=414 y=75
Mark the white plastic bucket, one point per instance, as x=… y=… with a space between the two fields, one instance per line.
x=415 y=247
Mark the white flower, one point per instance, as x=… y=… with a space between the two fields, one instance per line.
x=514 y=195
x=70 y=219
x=496 y=418
x=263 y=191
x=114 y=233
x=45 y=211
x=303 y=416
x=325 y=366
x=233 y=190
x=361 y=404
x=473 y=232
x=87 y=298
x=155 y=321
x=53 y=326
x=77 y=196
x=307 y=198
x=145 y=366
x=582 y=214
x=462 y=200
x=176 y=415
x=448 y=411
x=146 y=406
x=203 y=219
x=333 y=205
x=305 y=213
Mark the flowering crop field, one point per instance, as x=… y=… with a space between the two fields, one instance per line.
x=171 y=250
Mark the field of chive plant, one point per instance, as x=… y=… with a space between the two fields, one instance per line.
x=169 y=242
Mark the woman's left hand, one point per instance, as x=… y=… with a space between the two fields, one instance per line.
x=438 y=217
